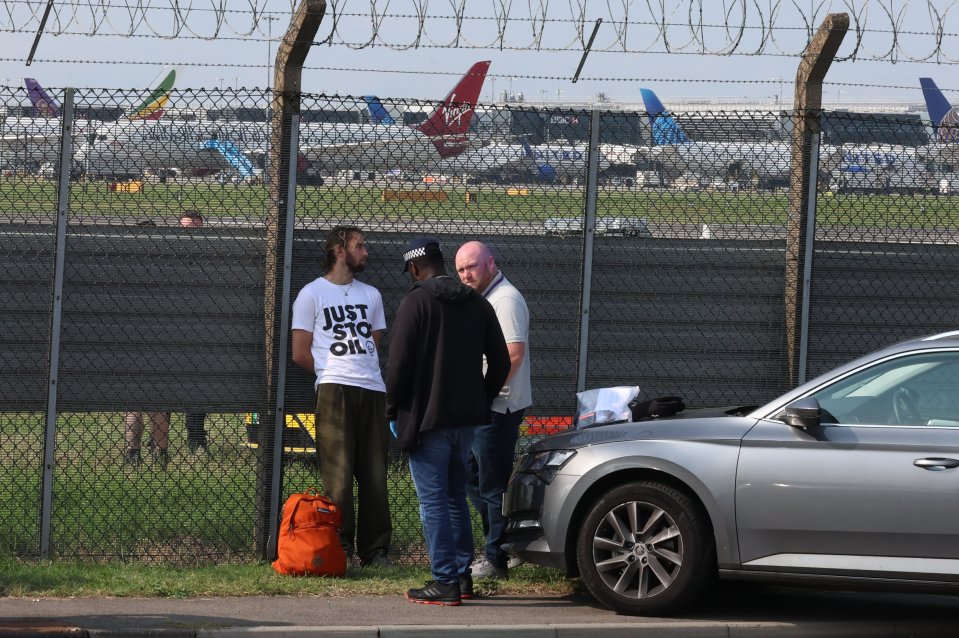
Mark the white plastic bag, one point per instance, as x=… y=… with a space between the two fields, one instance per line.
x=605 y=405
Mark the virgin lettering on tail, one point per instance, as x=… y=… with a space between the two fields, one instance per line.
x=449 y=124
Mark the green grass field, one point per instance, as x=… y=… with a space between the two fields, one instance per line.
x=63 y=579
x=34 y=198
x=198 y=510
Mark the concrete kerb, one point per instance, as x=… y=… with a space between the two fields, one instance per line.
x=603 y=630
x=599 y=630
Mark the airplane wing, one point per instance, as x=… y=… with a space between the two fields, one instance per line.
x=940 y=153
x=672 y=155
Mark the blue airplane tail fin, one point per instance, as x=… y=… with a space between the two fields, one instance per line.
x=666 y=129
x=936 y=103
x=944 y=118
x=527 y=148
x=378 y=112
x=43 y=104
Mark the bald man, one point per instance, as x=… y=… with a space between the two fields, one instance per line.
x=494 y=445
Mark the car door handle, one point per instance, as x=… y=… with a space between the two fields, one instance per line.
x=936 y=463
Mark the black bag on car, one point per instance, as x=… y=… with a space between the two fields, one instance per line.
x=654 y=408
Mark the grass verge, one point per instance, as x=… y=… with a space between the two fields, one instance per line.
x=20 y=579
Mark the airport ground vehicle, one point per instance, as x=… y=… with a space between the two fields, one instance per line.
x=849 y=480
x=626 y=226
x=299 y=434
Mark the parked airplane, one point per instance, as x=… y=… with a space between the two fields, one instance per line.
x=541 y=162
x=137 y=145
x=29 y=142
x=853 y=166
x=563 y=162
x=762 y=162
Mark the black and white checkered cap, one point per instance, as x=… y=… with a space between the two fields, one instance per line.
x=419 y=247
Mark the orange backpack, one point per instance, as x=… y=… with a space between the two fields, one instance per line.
x=309 y=540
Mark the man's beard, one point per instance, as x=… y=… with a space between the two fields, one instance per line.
x=355 y=265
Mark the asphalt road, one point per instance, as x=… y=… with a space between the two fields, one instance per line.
x=14 y=224
x=760 y=609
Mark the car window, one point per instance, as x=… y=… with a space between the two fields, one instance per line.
x=921 y=389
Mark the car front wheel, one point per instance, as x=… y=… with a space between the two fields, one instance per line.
x=645 y=549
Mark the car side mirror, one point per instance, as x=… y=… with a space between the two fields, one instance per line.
x=802 y=413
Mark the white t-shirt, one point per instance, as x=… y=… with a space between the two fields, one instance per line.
x=342 y=320
x=513 y=315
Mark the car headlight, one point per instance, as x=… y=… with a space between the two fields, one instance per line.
x=546 y=464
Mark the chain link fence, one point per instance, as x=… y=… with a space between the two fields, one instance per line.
x=137 y=397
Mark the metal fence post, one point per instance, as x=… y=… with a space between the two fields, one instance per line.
x=810 y=239
x=589 y=228
x=285 y=103
x=63 y=212
x=284 y=335
x=807 y=104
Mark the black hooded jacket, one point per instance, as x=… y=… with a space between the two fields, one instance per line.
x=434 y=375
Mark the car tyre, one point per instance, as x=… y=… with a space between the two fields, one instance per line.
x=645 y=549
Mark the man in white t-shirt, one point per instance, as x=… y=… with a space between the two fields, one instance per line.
x=337 y=325
x=494 y=445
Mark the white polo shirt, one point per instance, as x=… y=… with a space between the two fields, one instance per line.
x=513 y=315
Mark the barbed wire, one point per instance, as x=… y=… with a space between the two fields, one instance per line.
x=511 y=76
x=885 y=30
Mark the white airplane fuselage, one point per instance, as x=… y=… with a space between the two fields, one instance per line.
x=329 y=146
x=566 y=161
x=720 y=159
x=36 y=140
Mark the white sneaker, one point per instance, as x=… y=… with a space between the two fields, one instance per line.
x=482 y=568
x=514 y=562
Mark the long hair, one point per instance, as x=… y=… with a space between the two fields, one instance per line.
x=339 y=236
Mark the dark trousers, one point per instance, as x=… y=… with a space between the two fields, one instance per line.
x=195 y=432
x=490 y=466
x=352 y=441
x=438 y=468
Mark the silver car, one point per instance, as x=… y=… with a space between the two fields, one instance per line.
x=850 y=480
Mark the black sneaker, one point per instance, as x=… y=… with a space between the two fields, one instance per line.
x=162 y=458
x=436 y=593
x=197 y=447
x=132 y=457
x=466 y=586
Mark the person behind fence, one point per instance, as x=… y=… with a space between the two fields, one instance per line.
x=436 y=393
x=494 y=445
x=159 y=436
x=133 y=422
x=196 y=437
x=337 y=324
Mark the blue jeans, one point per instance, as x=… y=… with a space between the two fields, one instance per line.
x=438 y=467
x=491 y=463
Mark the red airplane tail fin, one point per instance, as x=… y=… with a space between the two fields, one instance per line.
x=450 y=122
